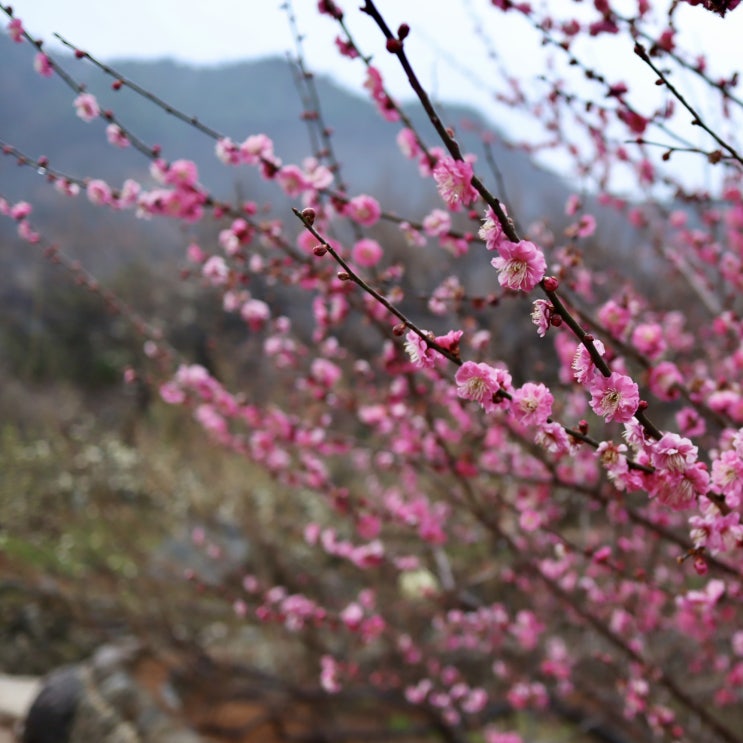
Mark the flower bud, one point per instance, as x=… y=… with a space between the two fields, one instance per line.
x=394 y=46
x=551 y=284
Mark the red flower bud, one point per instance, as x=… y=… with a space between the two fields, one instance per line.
x=551 y=284
x=394 y=46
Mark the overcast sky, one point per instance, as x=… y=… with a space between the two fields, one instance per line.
x=213 y=31
x=447 y=55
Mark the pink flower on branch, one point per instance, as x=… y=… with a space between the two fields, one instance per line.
x=255 y=148
x=292 y=180
x=116 y=136
x=425 y=356
x=679 y=490
x=99 y=192
x=227 y=151
x=408 y=144
x=615 y=397
x=541 y=316
x=20 y=210
x=553 y=438
x=584 y=227
x=384 y=103
x=15 y=30
x=363 y=210
x=182 y=174
x=346 y=48
x=481 y=382
x=437 y=223
x=86 y=107
x=454 y=182
x=532 y=404
x=367 y=252
x=491 y=230
x=42 y=65
x=521 y=266
x=582 y=365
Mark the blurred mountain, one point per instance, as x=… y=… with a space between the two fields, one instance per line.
x=37 y=116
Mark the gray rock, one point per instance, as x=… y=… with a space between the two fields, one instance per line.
x=52 y=714
x=101 y=701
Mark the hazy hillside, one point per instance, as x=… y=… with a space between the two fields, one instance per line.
x=37 y=116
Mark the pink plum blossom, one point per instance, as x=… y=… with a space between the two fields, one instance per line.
x=530 y=520
x=329 y=674
x=375 y=86
x=227 y=151
x=453 y=180
x=215 y=270
x=648 y=339
x=520 y=265
x=346 y=48
x=714 y=531
x=419 y=351
x=27 y=233
x=614 y=317
x=87 y=107
x=664 y=379
x=292 y=180
x=679 y=490
x=182 y=174
x=195 y=254
x=352 y=616
x=613 y=457
x=584 y=227
x=255 y=148
x=408 y=144
x=437 y=223
x=318 y=176
x=20 y=210
x=116 y=136
x=480 y=382
x=129 y=193
x=364 y=210
x=496 y=736
x=615 y=397
x=367 y=252
x=256 y=313
x=412 y=236
x=42 y=65
x=15 y=30
x=572 y=205
x=68 y=188
x=532 y=404
x=99 y=192
x=553 y=438
x=582 y=365
x=674 y=453
x=541 y=316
